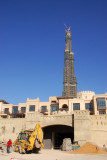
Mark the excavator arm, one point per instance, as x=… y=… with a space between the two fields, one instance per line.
x=36 y=138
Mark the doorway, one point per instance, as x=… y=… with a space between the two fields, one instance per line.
x=54 y=135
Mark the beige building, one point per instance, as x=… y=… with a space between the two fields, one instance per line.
x=82 y=119
x=86 y=100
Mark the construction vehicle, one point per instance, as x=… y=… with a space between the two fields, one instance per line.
x=29 y=140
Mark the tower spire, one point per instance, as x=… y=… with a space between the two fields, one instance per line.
x=70 y=81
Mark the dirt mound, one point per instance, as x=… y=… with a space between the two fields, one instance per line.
x=88 y=148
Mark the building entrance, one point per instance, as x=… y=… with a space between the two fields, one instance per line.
x=54 y=135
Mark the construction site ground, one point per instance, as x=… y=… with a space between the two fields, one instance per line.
x=52 y=155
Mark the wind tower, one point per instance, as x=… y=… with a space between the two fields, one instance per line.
x=69 y=78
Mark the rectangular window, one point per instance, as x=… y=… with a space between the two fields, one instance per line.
x=54 y=108
x=101 y=103
x=43 y=108
x=76 y=106
x=6 y=110
x=102 y=112
x=23 y=109
x=89 y=106
x=31 y=108
x=15 y=109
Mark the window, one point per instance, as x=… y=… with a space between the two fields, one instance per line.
x=101 y=104
x=54 y=108
x=65 y=107
x=89 y=106
x=76 y=106
x=102 y=112
x=31 y=108
x=23 y=109
x=15 y=109
x=6 y=110
x=43 y=108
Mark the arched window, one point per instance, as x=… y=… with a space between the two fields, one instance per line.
x=64 y=107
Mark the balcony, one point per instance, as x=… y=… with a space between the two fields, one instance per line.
x=101 y=107
x=63 y=109
x=18 y=114
x=4 y=114
x=45 y=112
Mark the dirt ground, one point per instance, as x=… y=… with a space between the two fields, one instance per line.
x=51 y=155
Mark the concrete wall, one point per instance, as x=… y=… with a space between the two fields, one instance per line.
x=31 y=119
x=9 y=128
x=98 y=129
x=60 y=118
x=82 y=126
x=91 y=128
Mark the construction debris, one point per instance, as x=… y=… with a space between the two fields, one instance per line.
x=67 y=145
x=2 y=146
x=88 y=148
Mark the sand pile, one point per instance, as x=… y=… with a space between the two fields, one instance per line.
x=88 y=148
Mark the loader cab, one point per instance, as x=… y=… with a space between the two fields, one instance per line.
x=24 y=135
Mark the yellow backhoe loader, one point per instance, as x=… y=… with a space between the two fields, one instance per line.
x=29 y=140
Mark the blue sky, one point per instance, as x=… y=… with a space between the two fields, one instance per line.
x=32 y=43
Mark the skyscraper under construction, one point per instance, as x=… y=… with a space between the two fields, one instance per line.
x=70 y=80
